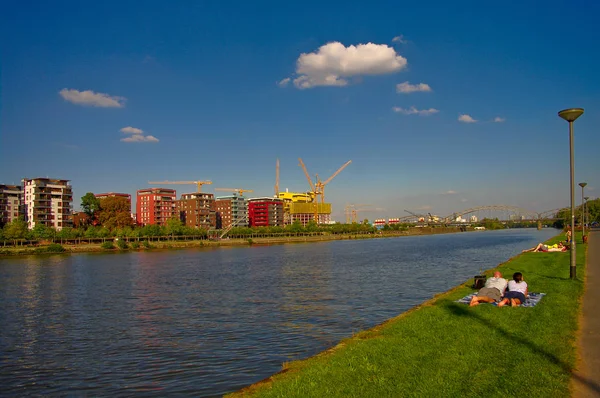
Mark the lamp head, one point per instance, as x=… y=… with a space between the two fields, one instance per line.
x=570 y=115
x=582 y=184
x=586 y=197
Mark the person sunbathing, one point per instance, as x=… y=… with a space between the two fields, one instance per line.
x=517 y=291
x=557 y=247
x=492 y=291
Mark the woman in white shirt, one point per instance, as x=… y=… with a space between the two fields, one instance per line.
x=516 y=292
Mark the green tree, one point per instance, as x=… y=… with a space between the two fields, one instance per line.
x=41 y=231
x=17 y=229
x=90 y=204
x=174 y=226
x=114 y=212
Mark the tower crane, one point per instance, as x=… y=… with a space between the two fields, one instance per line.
x=197 y=183
x=239 y=191
x=419 y=216
x=318 y=188
x=314 y=192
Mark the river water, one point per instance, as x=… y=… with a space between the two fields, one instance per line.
x=208 y=321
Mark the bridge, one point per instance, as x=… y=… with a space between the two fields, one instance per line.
x=503 y=213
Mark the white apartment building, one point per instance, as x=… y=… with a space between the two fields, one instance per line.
x=49 y=202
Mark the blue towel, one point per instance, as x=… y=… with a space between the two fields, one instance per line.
x=531 y=301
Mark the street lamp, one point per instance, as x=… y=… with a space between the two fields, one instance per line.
x=585 y=212
x=582 y=185
x=570 y=115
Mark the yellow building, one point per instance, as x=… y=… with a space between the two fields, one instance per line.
x=300 y=206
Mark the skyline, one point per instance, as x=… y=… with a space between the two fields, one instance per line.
x=438 y=108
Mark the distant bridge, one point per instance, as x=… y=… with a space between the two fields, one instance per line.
x=501 y=212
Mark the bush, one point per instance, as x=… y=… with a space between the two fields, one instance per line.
x=107 y=245
x=121 y=244
x=55 y=248
x=147 y=244
x=135 y=245
x=250 y=241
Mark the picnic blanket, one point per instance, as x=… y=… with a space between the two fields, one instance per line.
x=531 y=301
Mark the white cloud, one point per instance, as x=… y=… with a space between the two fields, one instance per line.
x=131 y=130
x=91 y=98
x=284 y=82
x=140 y=138
x=414 y=111
x=463 y=200
x=408 y=88
x=450 y=192
x=499 y=119
x=399 y=39
x=333 y=63
x=466 y=119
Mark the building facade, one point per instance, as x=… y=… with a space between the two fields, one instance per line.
x=154 y=206
x=197 y=210
x=48 y=202
x=231 y=210
x=11 y=203
x=265 y=212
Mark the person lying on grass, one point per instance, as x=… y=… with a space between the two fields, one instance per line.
x=517 y=291
x=557 y=247
x=492 y=291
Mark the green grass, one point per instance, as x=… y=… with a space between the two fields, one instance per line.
x=446 y=349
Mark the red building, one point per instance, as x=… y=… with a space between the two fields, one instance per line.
x=113 y=195
x=265 y=212
x=155 y=206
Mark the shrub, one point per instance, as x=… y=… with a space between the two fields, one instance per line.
x=107 y=245
x=121 y=244
x=55 y=248
x=135 y=245
x=250 y=241
x=147 y=244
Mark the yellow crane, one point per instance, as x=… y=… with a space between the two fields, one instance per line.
x=197 y=183
x=314 y=192
x=239 y=191
x=318 y=188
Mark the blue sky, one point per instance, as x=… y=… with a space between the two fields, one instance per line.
x=199 y=88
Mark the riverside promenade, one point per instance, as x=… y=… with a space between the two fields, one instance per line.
x=586 y=380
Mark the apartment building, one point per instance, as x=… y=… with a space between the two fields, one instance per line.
x=155 y=206
x=265 y=212
x=11 y=203
x=231 y=210
x=197 y=210
x=49 y=202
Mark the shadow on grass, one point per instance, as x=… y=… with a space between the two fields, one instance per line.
x=463 y=310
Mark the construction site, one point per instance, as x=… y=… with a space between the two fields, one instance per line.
x=204 y=210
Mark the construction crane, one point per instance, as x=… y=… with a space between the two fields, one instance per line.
x=321 y=185
x=197 y=183
x=277 y=179
x=351 y=211
x=419 y=216
x=318 y=188
x=239 y=191
x=314 y=192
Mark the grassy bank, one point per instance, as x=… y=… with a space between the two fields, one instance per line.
x=111 y=246
x=446 y=349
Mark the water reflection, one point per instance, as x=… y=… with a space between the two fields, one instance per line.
x=207 y=321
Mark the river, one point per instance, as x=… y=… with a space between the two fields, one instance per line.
x=209 y=321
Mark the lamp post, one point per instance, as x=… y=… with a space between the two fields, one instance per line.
x=570 y=115
x=582 y=185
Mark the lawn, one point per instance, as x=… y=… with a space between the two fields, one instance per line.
x=447 y=349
